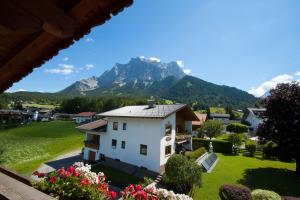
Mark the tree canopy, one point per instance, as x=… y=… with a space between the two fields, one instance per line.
x=282 y=122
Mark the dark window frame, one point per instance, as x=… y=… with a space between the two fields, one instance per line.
x=123 y=144
x=143 y=149
x=115 y=126
x=168 y=150
x=112 y=143
x=124 y=126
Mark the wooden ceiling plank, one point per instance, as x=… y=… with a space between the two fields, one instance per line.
x=55 y=20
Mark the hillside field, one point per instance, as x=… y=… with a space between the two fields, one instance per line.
x=24 y=148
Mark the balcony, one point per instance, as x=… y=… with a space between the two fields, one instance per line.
x=91 y=144
x=182 y=137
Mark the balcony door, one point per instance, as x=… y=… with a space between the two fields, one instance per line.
x=92 y=156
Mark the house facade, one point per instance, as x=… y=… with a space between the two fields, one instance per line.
x=84 y=117
x=140 y=135
x=254 y=117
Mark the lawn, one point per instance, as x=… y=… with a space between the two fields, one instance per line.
x=116 y=177
x=24 y=148
x=252 y=172
x=218 y=110
x=35 y=105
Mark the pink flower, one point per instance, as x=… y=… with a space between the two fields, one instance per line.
x=138 y=187
x=84 y=182
x=52 y=179
x=141 y=195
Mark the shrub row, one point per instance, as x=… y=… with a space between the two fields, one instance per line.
x=218 y=145
x=236 y=192
x=196 y=153
x=237 y=128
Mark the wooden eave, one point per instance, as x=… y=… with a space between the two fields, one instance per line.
x=33 y=31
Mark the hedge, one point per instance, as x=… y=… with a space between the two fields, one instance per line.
x=218 y=145
x=234 y=192
x=194 y=155
x=237 y=128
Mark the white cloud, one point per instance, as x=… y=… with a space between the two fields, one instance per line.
x=154 y=59
x=187 y=71
x=268 y=85
x=8 y=91
x=21 y=90
x=89 y=66
x=64 y=69
x=66 y=59
x=142 y=57
x=89 y=40
x=180 y=63
x=297 y=74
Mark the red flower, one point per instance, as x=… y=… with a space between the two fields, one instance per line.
x=41 y=175
x=138 y=187
x=84 y=182
x=141 y=195
x=71 y=169
x=61 y=171
x=52 y=179
x=113 y=194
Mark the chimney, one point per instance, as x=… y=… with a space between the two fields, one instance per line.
x=151 y=103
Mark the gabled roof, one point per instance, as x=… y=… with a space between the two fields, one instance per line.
x=32 y=32
x=201 y=117
x=93 y=125
x=159 y=111
x=85 y=114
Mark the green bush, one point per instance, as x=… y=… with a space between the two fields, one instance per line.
x=237 y=128
x=270 y=150
x=236 y=139
x=251 y=147
x=218 y=145
x=196 y=153
x=181 y=174
x=234 y=192
x=265 y=195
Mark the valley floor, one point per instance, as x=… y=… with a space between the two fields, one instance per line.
x=26 y=147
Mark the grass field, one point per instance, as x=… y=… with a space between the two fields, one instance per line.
x=116 y=177
x=218 y=110
x=24 y=148
x=35 y=105
x=251 y=172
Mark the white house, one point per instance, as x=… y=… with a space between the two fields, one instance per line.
x=84 y=117
x=144 y=136
x=254 y=117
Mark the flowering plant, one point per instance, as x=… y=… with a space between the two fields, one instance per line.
x=76 y=182
x=137 y=192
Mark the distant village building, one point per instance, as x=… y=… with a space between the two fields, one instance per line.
x=144 y=136
x=224 y=118
x=197 y=124
x=44 y=115
x=254 y=117
x=84 y=117
x=15 y=117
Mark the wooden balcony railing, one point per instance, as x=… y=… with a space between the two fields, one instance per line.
x=182 y=137
x=91 y=144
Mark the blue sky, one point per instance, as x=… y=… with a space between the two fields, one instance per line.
x=251 y=45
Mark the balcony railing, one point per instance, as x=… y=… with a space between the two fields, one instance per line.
x=182 y=137
x=91 y=144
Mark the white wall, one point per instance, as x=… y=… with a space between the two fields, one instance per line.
x=163 y=141
x=139 y=131
x=253 y=120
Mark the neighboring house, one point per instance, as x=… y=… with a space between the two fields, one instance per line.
x=197 y=124
x=84 y=117
x=144 y=136
x=220 y=117
x=15 y=117
x=254 y=117
x=44 y=115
